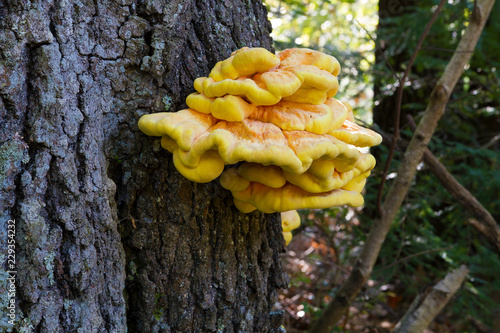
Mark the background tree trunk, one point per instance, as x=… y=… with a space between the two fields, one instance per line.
x=109 y=236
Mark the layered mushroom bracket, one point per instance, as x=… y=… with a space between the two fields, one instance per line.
x=277 y=115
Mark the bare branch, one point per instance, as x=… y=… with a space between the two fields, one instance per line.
x=491 y=142
x=486 y=223
x=379 y=49
x=424 y=309
x=489 y=226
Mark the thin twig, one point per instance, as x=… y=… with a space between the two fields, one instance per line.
x=445 y=50
x=491 y=142
x=399 y=102
x=411 y=256
x=379 y=49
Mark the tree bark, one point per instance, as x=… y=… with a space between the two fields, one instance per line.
x=109 y=237
x=406 y=171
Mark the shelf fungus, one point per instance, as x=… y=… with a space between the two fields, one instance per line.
x=276 y=114
x=290 y=220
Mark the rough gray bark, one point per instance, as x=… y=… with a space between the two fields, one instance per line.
x=109 y=236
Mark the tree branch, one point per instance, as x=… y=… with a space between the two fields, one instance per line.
x=406 y=171
x=423 y=311
x=413 y=256
x=485 y=222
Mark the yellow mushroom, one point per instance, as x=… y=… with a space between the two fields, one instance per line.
x=248 y=140
x=231 y=180
x=322 y=176
x=310 y=147
x=356 y=135
x=303 y=56
x=243 y=207
x=277 y=115
x=209 y=167
x=291 y=197
x=199 y=102
x=288 y=116
x=287 y=235
x=183 y=126
x=357 y=183
x=288 y=197
x=270 y=175
x=242 y=86
x=244 y=62
x=290 y=220
x=350 y=114
x=264 y=79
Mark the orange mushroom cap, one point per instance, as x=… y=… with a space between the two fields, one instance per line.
x=303 y=56
x=310 y=147
x=288 y=116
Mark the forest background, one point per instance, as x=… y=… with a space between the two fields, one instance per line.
x=432 y=233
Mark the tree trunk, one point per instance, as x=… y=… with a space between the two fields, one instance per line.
x=109 y=237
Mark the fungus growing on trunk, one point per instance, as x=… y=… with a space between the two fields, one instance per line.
x=277 y=115
x=290 y=220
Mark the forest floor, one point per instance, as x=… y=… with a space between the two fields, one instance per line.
x=319 y=259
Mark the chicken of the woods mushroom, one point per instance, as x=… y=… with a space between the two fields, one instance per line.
x=274 y=120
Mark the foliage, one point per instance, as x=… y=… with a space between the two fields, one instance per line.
x=431 y=234
x=336 y=28
x=430 y=218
